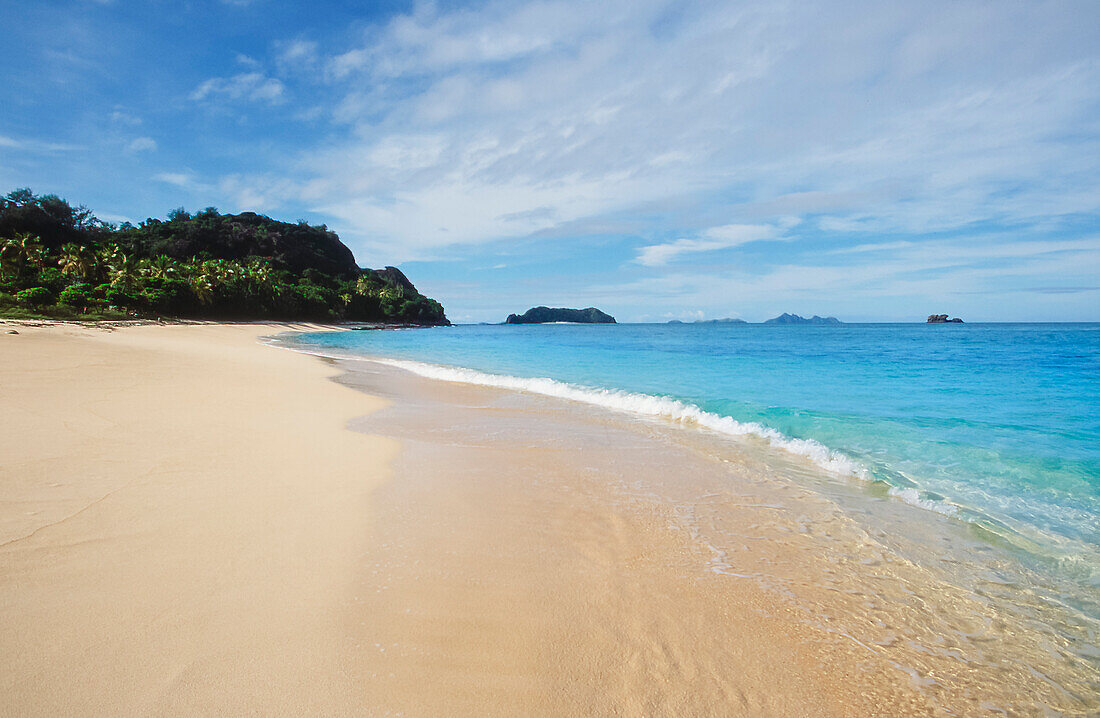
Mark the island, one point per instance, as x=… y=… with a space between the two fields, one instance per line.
x=942 y=319
x=727 y=320
x=795 y=319
x=61 y=262
x=547 y=315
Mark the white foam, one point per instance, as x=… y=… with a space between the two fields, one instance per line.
x=641 y=405
x=913 y=497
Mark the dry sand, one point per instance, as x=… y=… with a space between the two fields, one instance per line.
x=181 y=512
x=187 y=527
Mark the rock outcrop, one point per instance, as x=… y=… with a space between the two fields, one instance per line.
x=546 y=315
x=795 y=319
x=942 y=319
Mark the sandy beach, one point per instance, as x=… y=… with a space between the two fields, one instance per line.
x=195 y=523
x=181 y=518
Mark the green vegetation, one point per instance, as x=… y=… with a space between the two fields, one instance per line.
x=62 y=262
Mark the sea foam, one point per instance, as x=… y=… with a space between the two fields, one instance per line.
x=645 y=405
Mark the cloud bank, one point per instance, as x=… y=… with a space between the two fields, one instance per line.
x=476 y=125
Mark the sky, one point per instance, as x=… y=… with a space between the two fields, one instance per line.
x=876 y=161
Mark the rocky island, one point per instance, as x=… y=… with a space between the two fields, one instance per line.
x=942 y=319
x=795 y=319
x=547 y=315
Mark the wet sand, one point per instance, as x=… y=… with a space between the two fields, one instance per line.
x=572 y=561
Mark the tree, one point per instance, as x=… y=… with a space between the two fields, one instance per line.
x=125 y=270
x=20 y=255
x=35 y=297
x=202 y=289
x=77 y=261
x=162 y=267
x=78 y=296
x=239 y=266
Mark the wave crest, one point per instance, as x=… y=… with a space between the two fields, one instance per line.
x=647 y=405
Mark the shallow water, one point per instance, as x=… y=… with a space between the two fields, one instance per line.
x=995 y=428
x=999 y=424
x=907 y=599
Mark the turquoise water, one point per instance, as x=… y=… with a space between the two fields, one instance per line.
x=996 y=424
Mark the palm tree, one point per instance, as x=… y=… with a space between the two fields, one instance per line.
x=12 y=261
x=77 y=260
x=20 y=253
x=261 y=280
x=126 y=270
x=362 y=286
x=163 y=267
x=202 y=289
x=390 y=293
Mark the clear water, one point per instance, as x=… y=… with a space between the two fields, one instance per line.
x=996 y=424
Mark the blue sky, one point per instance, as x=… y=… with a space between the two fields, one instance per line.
x=872 y=160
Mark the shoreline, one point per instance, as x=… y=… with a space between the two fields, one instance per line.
x=217 y=527
x=755 y=553
x=887 y=540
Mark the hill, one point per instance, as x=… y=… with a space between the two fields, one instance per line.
x=546 y=315
x=61 y=261
x=795 y=319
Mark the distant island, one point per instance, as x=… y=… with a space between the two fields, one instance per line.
x=61 y=262
x=795 y=319
x=546 y=315
x=727 y=320
x=942 y=319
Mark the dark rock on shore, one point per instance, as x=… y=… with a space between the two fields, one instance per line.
x=942 y=319
x=795 y=319
x=545 y=315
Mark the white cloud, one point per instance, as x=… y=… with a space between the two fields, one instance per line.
x=36 y=146
x=125 y=118
x=724 y=237
x=297 y=55
x=476 y=125
x=178 y=179
x=142 y=144
x=991 y=281
x=253 y=86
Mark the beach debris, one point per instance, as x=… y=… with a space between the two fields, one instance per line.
x=12 y=331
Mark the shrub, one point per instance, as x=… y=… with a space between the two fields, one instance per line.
x=178 y=297
x=76 y=296
x=120 y=298
x=35 y=297
x=51 y=278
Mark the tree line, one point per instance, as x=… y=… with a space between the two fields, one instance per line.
x=61 y=261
